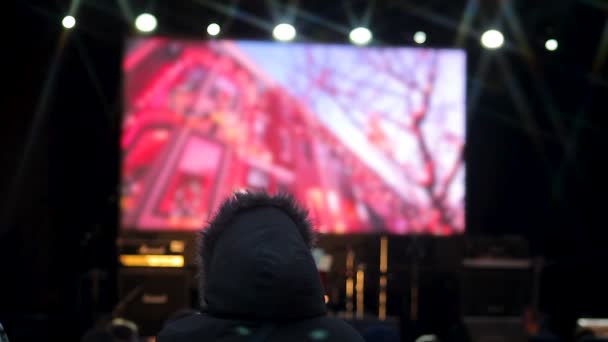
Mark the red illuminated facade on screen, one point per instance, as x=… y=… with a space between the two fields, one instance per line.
x=205 y=119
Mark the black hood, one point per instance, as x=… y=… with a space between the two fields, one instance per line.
x=260 y=267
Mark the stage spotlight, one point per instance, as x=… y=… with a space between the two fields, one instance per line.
x=420 y=37
x=284 y=32
x=213 y=29
x=551 y=44
x=145 y=22
x=492 y=39
x=360 y=35
x=68 y=22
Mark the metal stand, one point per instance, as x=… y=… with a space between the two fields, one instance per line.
x=360 y=287
x=383 y=278
x=350 y=282
x=415 y=253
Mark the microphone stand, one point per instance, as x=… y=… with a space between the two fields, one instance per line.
x=415 y=253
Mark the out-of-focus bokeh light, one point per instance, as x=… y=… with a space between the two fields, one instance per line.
x=420 y=37
x=492 y=39
x=284 y=32
x=213 y=29
x=145 y=22
x=360 y=35
x=68 y=22
x=551 y=44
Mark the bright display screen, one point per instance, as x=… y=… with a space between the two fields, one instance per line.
x=369 y=139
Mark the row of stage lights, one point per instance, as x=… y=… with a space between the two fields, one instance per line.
x=490 y=39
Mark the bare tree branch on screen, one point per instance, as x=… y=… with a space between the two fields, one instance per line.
x=404 y=83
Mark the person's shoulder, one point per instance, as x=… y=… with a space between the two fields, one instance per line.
x=327 y=328
x=3 y=337
x=347 y=331
x=182 y=329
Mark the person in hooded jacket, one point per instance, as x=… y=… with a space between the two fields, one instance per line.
x=258 y=279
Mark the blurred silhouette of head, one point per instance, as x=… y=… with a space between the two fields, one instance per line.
x=381 y=334
x=123 y=330
x=96 y=335
x=563 y=324
x=428 y=338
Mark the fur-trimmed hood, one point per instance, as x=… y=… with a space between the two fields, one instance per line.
x=256 y=261
x=259 y=281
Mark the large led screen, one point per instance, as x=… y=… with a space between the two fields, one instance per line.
x=369 y=139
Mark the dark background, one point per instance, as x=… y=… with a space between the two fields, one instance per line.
x=535 y=152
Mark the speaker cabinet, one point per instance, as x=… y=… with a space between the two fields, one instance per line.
x=148 y=296
x=495 y=291
x=495 y=329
